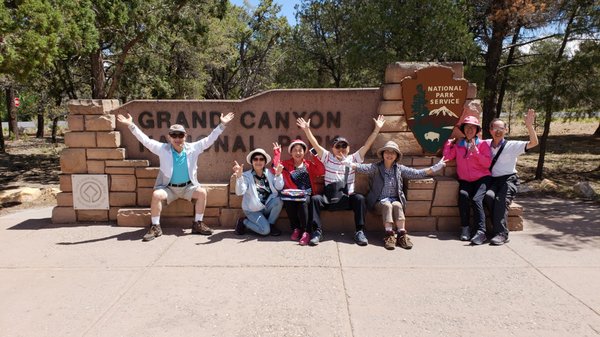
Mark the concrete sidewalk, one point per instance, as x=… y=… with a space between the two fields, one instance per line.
x=101 y=280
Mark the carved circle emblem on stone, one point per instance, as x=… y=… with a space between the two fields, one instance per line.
x=90 y=191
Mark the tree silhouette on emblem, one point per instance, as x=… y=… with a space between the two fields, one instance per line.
x=419 y=105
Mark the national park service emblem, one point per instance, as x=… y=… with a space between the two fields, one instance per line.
x=433 y=103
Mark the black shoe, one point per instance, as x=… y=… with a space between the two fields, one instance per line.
x=479 y=238
x=274 y=231
x=465 y=233
x=240 y=228
x=499 y=239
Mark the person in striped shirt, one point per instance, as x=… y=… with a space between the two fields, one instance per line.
x=336 y=161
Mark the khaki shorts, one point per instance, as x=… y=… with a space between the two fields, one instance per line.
x=390 y=211
x=174 y=193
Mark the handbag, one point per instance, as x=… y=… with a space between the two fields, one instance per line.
x=335 y=191
x=292 y=194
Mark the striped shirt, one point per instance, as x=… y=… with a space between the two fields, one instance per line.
x=334 y=169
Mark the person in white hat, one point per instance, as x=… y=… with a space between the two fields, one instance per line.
x=386 y=195
x=473 y=159
x=300 y=176
x=178 y=174
x=337 y=180
x=260 y=188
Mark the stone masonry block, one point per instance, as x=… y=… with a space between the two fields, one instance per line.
x=119 y=170
x=80 y=139
x=421 y=184
x=424 y=161
x=217 y=194
x=110 y=139
x=65 y=182
x=421 y=223
x=212 y=211
x=122 y=199
x=92 y=215
x=62 y=215
x=145 y=182
x=133 y=217
x=144 y=196
x=122 y=183
x=146 y=172
x=426 y=195
x=472 y=91
x=73 y=161
x=406 y=141
x=394 y=124
x=446 y=192
x=417 y=208
x=75 y=123
x=128 y=163
x=361 y=184
x=450 y=171
x=100 y=122
x=390 y=108
x=103 y=154
x=449 y=224
x=457 y=68
x=515 y=209
x=95 y=166
x=64 y=199
x=395 y=72
x=515 y=223
x=113 y=212
x=179 y=207
x=444 y=211
x=92 y=106
x=232 y=184
x=235 y=201
x=392 y=92
x=229 y=217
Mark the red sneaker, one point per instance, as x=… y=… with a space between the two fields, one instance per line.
x=304 y=239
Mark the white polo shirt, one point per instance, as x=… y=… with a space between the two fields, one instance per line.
x=335 y=170
x=507 y=162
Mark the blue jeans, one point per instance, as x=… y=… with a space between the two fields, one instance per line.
x=260 y=221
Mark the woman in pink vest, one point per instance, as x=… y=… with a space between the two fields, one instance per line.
x=473 y=159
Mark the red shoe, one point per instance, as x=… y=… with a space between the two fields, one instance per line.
x=295 y=235
x=305 y=239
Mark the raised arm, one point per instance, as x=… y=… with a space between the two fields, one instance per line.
x=151 y=144
x=305 y=126
x=533 y=139
x=378 y=125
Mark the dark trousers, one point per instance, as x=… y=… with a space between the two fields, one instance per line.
x=298 y=214
x=355 y=202
x=472 y=193
x=498 y=197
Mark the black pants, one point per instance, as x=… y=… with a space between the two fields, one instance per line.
x=298 y=214
x=472 y=193
x=498 y=197
x=355 y=202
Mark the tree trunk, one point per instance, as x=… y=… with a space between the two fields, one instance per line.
x=13 y=127
x=549 y=101
x=54 y=129
x=492 y=60
x=509 y=61
x=40 y=125
x=98 y=77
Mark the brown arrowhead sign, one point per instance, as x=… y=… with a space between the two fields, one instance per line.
x=433 y=102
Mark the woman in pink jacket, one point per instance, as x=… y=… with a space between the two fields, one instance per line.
x=473 y=159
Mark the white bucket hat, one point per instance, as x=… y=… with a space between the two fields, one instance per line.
x=296 y=142
x=257 y=151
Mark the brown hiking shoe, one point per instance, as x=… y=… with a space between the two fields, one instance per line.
x=389 y=242
x=154 y=232
x=404 y=241
x=199 y=227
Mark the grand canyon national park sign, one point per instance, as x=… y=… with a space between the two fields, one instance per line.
x=433 y=103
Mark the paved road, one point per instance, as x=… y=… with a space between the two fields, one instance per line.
x=99 y=280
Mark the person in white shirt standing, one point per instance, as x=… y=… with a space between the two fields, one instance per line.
x=177 y=177
x=504 y=173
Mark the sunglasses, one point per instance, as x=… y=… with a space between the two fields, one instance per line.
x=258 y=159
x=341 y=146
x=177 y=135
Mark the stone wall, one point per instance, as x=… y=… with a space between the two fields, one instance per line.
x=95 y=145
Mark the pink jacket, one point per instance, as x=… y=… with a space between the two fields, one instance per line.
x=470 y=166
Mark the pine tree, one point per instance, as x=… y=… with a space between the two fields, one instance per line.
x=419 y=106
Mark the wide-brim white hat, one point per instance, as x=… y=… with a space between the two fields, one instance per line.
x=257 y=151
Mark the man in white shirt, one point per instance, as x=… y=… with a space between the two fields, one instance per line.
x=504 y=173
x=177 y=177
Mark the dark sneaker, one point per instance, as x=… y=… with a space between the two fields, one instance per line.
x=465 y=233
x=389 y=242
x=199 y=227
x=315 y=238
x=154 y=232
x=360 y=238
x=240 y=228
x=479 y=238
x=499 y=239
x=274 y=231
x=404 y=241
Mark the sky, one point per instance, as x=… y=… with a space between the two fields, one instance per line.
x=287 y=7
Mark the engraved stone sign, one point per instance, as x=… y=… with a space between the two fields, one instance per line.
x=90 y=191
x=433 y=102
